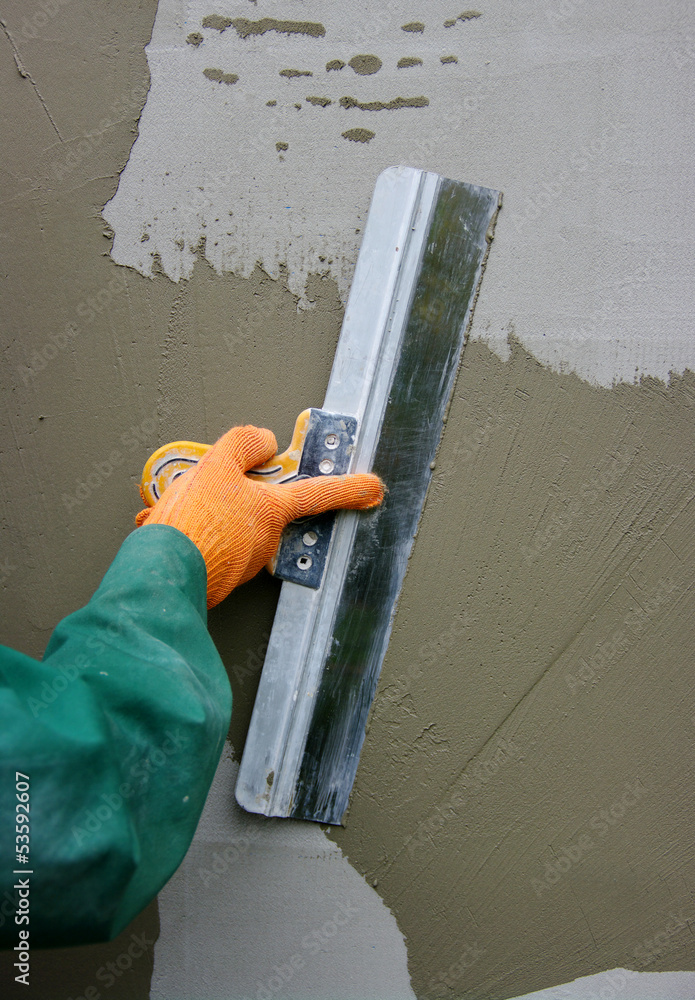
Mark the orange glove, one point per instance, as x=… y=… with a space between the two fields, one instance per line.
x=237 y=522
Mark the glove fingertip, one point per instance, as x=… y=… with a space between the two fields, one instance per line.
x=254 y=446
x=142 y=516
x=371 y=487
x=350 y=492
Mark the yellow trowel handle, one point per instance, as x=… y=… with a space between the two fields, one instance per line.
x=171 y=460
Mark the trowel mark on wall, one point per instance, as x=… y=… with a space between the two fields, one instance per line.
x=450 y=979
x=616 y=580
x=574 y=851
x=591 y=665
x=661 y=943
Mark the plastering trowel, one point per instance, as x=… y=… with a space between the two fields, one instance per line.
x=410 y=305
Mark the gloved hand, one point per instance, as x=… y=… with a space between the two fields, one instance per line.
x=236 y=522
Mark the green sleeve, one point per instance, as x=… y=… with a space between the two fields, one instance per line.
x=119 y=731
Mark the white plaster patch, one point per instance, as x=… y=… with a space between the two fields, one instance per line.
x=622 y=984
x=270 y=908
x=579 y=113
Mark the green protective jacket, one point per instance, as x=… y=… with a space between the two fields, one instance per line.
x=117 y=733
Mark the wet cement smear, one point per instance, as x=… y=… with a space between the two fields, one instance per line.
x=414 y=26
x=219 y=76
x=408 y=61
x=522 y=742
x=365 y=65
x=291 y=73
x=319 y=102
x=358 y=135
x=394 y=105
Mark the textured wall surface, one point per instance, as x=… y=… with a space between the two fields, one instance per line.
x=522 y=812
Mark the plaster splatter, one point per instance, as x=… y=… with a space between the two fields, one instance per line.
x=607 y=326
x=291 y=73
x=281 y=146
x=319 y=102
x=358 y=135
x=365 y=65
x=394 y=105
x=414 y=26
x=195 y=38
x=219 y=76
x=468 y=15
x=216 y=21
x=335 y=64
x=444 y=60
x=245 y=28
x=408 y=61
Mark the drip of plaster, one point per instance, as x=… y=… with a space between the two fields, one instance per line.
x=245 y=878
x=577 y=114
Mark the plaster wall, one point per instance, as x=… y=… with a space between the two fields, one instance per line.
x=522 y=811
